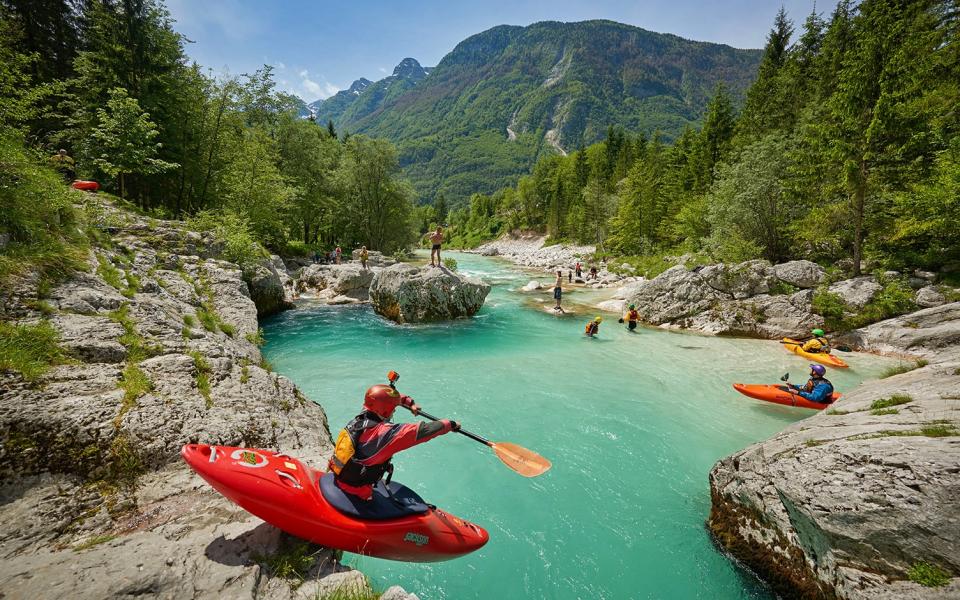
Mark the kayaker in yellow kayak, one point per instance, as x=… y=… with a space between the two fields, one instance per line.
x=818 y=343
x=818 y=388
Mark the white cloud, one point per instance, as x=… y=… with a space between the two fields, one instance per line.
x=382 y=69
x=280 y=66
x=312 y=90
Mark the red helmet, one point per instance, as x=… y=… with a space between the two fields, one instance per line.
x=382 y=400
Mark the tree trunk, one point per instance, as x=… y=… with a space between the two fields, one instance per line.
x=859 y=201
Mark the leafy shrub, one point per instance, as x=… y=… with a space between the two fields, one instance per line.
x=450 y=263
x=29 y=349
x=831 y=307
x=240 y=246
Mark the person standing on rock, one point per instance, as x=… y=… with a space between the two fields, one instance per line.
x=365 y=446
x=818 y=388
x=558 y=290
x=436 y=238
x=579 y=270
x=338 y=254
x=364 y=255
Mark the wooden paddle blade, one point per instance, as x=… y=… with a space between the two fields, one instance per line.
x=521 y=460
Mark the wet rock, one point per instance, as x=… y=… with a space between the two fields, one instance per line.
x=856 y=292
x=800 y=273
x=408 y=294
x=532 y=286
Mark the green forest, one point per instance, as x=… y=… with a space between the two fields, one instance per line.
x=109 y=82
x=845 y=149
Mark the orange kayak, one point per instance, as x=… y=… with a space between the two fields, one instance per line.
x=825 y=359
x=778 y=395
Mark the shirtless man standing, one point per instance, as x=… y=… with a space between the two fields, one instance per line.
x=436 y=238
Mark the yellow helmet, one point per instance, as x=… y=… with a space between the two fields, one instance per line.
x=599 y=319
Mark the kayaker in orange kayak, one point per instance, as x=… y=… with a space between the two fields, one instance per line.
x=818 y=388
x=368 y=442
x=818 y=343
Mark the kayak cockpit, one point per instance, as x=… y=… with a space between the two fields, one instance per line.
x=390 y=501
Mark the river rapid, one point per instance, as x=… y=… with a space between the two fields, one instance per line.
x=632 y=422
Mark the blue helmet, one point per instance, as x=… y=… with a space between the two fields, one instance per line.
x=819 y=370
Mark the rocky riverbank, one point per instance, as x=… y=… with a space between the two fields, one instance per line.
x=159 y=340
x=861 y=501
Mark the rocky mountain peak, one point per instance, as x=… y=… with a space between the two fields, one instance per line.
x=359 y=85
x=409 y=68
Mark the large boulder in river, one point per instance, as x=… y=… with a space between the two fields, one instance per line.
x=349 y=279
x=674 y=294
x=408 y=294
x=800 y=273
x=741 y=280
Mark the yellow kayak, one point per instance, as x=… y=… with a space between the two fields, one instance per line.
x=826 y=359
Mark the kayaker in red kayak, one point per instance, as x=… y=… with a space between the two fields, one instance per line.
x=818 y=388
x=368 y=442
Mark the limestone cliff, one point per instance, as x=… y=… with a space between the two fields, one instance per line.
x=161 y=338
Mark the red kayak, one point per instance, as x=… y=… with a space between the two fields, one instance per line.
x=397 y=524
x=778 y=395
x=87 y=186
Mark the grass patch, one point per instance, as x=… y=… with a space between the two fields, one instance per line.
x=202 y=376
x=227 y=328
x=29 y=349
x=109 y=273
x=928 y=575
x=903 y=368
x=189 y=320
x=939 y=430
x=244 y=374
x=134 y=383
x=257 y=338
x=125 y=463
x=894 y=400
x=137 y=348
x=290 y=562
x=265 y=365
x=884 y=411
x=185 y=333
x=133 y=285
x=450 y=263
x=94 y=541
x=207 y=318
x=813 y=443
x=837 y=412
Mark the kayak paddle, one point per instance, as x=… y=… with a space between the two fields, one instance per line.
x=525 y=462
x=840 y=348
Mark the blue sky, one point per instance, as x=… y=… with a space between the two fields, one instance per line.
x=322 y=46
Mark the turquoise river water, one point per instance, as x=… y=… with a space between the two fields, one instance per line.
x=632 y=422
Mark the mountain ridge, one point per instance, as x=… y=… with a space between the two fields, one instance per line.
x=505 y=96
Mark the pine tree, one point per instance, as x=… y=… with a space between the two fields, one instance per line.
x=715 y=138
x=440 y=209
x=762 y=111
